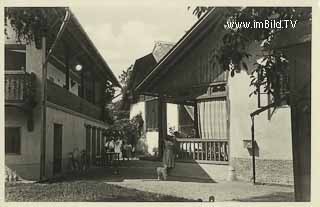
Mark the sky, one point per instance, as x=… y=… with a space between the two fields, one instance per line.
x=125 y=31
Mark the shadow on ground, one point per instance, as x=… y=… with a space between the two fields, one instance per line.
x=135 y=170
x=272 y=197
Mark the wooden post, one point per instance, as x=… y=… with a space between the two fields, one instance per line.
x=162 y=124
x=67 y=67
x=196 y=121
x=253 y=152
x=44 y=112
x=301 y=148
x=301 y=130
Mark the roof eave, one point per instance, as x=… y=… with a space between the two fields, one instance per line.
x=171 y=52
x=101 y=62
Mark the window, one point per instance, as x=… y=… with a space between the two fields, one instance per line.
x=13 y=140
x=152 y=115
x=15 y=57
x=213 y=118
x=186 y=120
x=279 y=96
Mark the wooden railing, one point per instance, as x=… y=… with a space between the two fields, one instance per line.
x=62 y=97
x=207 y=150
x=18 y=87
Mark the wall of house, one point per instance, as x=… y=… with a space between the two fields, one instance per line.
x=73 y=134
x=273 y=137
x=148 y=143
x=172 y=116
x=27 y=163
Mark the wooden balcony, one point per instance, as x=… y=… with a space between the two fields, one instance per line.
x=203 y=150
x=19 y=89
x=62 y=97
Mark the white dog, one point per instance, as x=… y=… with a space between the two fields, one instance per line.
x=162 y=173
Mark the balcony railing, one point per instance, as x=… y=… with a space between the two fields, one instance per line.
x=62 y=97
x=19 y=87
x=206 y=150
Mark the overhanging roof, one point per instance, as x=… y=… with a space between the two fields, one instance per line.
x=179 y=48
x=79 y=34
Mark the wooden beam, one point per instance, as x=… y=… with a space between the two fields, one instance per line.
x=67 y=66
x=82 y=83
x=91 y=56
x=196 y=121
x=162 y=124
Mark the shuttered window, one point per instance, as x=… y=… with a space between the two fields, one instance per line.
x=151 y=115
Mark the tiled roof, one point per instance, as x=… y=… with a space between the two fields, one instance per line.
x=160 y=49
x=144 y=65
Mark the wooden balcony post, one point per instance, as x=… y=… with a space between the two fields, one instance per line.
x=162 y=124
x=82 y=83
x=196 y=121
x=67 y=66
x=44 y=112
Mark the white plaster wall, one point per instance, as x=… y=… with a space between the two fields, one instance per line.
x=172 y=116
x=150 y=141
x=273 y=136
x=73 y=134
x=26 y=164
x=136 y=109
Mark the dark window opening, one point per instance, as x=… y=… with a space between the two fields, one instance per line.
x=152 y=115
x=13 y=140
x=15 y=57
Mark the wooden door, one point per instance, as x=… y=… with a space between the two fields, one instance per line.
x=57 y=148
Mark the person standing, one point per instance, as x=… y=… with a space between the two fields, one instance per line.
x=169 y=153
x=118 y=147
x=109 y=145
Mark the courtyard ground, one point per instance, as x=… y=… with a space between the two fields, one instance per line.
x=137 y=182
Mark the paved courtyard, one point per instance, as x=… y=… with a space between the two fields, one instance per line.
x=141 y=175
x=139 y=178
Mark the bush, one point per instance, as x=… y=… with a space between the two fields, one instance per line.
x=128 y=130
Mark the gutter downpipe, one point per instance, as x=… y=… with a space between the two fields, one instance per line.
x=252 y=115
x=45 y=60
x=253 y=151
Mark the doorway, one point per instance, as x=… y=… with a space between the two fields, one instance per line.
x=57 y=148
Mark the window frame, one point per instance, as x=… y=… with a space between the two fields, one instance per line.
x=15 y=47
x=156 y=114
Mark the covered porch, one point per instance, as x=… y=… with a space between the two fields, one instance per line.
x=191 y=77
x=205 y=138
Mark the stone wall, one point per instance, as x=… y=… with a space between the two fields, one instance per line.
x=267 y=171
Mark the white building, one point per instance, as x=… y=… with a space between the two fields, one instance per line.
x=74 y=109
